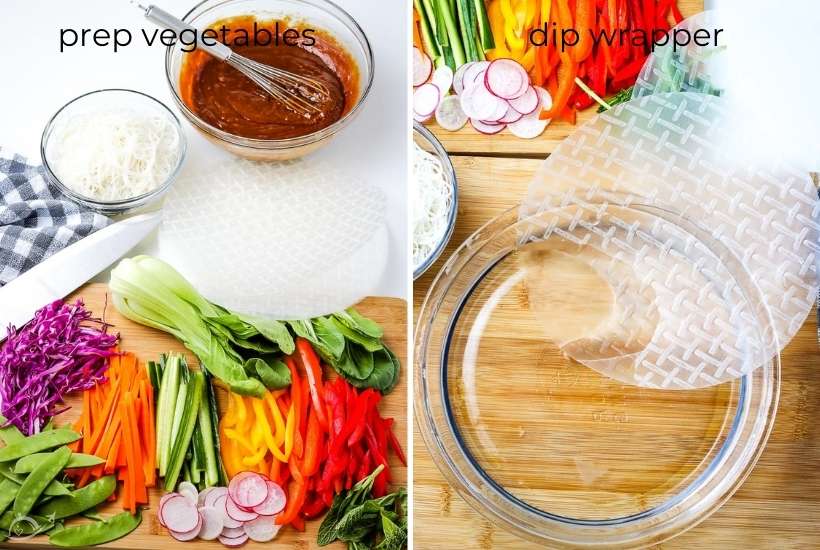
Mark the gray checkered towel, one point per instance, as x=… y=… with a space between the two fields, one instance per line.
x=35 y=220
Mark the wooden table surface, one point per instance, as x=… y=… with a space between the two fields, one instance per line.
x=778 y=507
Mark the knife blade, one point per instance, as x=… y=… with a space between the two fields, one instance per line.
x=62 y=273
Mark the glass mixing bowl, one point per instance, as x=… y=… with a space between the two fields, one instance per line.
x=105 y=100
x=550 y=449
x=321 y=15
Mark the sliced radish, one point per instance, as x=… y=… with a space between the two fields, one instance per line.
x=238 y=513
x=458 y=78
x=425 y=101
x=499 y=113
x=546 y=98
x=450 y=115
x=506 y=78
x=275 y=502
x=178 y=514
x=531 y=125
x=248 y=490
x=191 y=534
x=422 y=67
x=477 y=102
x=485 y=128
x=213 y=523
x=443 y=78
x=189 y=491
x=221 y=504
x=470 y=74
x=419 y=118
x=200 y=501
x=526 y=103
x=213 y=494
x=262 y=529
x=233 y=543
x=511 y=116
x=233 y=532
x=162 y=502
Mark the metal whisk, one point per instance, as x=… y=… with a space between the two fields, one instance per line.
x=296 y=92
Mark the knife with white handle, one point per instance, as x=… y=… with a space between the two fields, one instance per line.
x=60 y=274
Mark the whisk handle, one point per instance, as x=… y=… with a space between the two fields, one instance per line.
x=168 y=21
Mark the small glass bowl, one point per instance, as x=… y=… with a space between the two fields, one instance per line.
x=111 y=98
x=425 y=139
x=322 y=15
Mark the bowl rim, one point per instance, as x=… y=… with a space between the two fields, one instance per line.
x=756 y=411
x=452 y=215
x=343 y=17
x=118 y=205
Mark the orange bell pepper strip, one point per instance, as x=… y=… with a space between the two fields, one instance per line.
x=297 y=493
x=567 y=70
x=312 y=443
x=296 y=402
x=584 y=22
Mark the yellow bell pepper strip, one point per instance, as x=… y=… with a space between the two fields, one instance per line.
x=515 y=42
x=497 y=26
x=262 y=420
x=241 y=411
x=528 y=59
x=290 y=429
x=278 y=421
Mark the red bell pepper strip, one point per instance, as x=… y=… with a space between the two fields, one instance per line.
x=676 y=14
x=394 y=443
x=314 y=507
x=567 y=71
x=298 y=406
x=298 y=523
x=310 y=361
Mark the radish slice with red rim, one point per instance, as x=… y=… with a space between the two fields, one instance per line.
x=212 y=495
x=450 y=115
x=478 y=103
x=506 y=78
x=221 y=504
x=546 y=98
x=499 y=113
x=191 y=534
x=233 y=543
x=238 y=513
x=530 y=126
x=275 y=502
x=526 y=103
x=248 y=490
x=179 y=515
x=425 y=101
x=485 y=128
x=510 y=116
x=422 y=67
x=262 y=529
x=419 y=118
x=233 y=532
x=470 y=74
x=162 y=502
x=443 y=78
x=213 y=523
x=458 y=78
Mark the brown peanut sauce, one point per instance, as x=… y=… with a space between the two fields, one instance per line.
x=226 y=99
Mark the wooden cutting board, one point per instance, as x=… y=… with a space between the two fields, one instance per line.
x=469 y=141
x=777 y=507
x=148 y=344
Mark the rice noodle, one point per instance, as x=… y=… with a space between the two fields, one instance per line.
x=115 y=155
x=432 y=200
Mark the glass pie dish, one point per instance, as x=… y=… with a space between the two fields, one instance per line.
x=555 y=451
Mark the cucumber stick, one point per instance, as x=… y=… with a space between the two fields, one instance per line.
x=166 y=405
x=185 y=428
x=485 y=32
x=206 y=434
x=222 y=476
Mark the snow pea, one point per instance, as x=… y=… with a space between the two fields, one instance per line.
x=99 y=532
x=10 y=434
x=36 y=443
x=12 y=523
x=54 y=489
x=38 y=480
x=78 y=460
x=80 y=500
x=8 y=491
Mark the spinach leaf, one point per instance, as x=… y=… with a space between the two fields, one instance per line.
x=329 y=337
x=358 y=322
x=273 y=373
x=363 y=360
x=369 y=343
x=275 y=331
x=385 y=373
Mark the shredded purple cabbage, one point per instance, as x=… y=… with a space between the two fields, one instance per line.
x=61 y=350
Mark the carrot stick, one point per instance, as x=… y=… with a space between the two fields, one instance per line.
x=135 y=456
x=111 y=460
x=106 y=418
x=86 y=419
x=128 y=446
